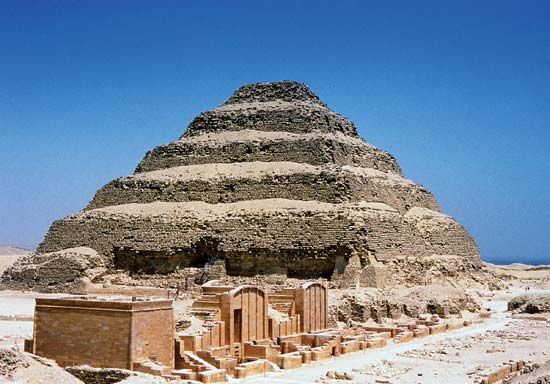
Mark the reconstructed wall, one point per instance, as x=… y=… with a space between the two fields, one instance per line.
x=312 y=305
x=103 y=333
x=244 y=312
x=102 y=340
x=245 y=327
x=153 y=336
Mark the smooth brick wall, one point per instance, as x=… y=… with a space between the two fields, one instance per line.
x=74 y=336
x=103 y=333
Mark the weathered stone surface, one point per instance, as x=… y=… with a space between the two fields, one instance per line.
x=22 y=367
x=289 y=91
x=530 y=303
x=252 y=145
x=271 y=116
x=233 y=182
x=271 y=182
x=64 y=270
x=361 y=306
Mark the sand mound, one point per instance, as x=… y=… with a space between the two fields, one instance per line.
x=6 y=250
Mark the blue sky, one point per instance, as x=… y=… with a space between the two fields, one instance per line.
x=458 y=91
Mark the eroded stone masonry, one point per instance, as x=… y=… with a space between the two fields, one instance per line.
x=272 y=181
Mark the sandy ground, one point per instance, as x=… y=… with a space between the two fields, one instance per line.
x=250 y=135
x=20 y=306
x=206 y=210
x=258 y=170
x=16 y=316
x=13 y=332
x=522 y=274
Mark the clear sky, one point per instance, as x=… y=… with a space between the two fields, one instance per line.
x=458 y=91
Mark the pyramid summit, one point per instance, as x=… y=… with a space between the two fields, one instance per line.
x=271 y=182
x=282 y=90
x=285 y=106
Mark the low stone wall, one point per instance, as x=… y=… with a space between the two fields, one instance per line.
x=501 y=373
x=252 y=368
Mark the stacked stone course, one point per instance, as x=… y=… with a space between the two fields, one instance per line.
x=261 y=180
x=251 y=145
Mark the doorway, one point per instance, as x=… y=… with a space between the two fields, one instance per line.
x=237 y=325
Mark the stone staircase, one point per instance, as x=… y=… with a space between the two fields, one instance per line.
x=152 y=368
x=197 y=368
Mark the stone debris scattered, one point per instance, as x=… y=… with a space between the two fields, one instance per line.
x=21 y=367
x=530 y=303
x=385 y=369
x=335 y=377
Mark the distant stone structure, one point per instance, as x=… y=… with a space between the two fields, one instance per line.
x=270 y=182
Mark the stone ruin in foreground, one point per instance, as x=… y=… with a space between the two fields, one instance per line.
x=250 y=332
x=271 y=182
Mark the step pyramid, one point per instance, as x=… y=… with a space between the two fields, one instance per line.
x=272 y=181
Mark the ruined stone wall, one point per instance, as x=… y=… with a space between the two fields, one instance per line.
x=89 y=375
x=308 y=149
x=250 y=244
x=260 y=241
